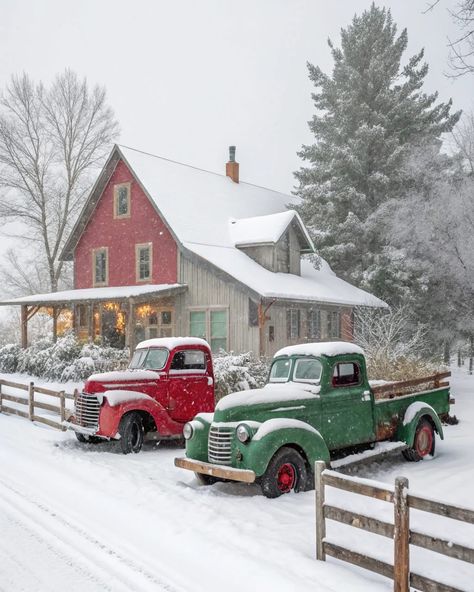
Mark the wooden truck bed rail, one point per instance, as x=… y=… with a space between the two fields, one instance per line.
x=399 y=388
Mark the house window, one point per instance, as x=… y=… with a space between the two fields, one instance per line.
x=100 y=266
x=293 y=323
x=314 y=324
x=158 y=323
x=212 y=325
x=253 y=313
x=122 y=200
x=333 y=325
x=143 y=257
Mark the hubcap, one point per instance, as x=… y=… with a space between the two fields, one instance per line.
x=286 y=477
x=424 y=441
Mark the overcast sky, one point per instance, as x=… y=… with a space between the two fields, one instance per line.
x=187 y=78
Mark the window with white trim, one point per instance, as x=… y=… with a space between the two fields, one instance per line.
x=100 y=266
x=293 y=323
x=122 y=200
x=314 y=324
x=143 y=262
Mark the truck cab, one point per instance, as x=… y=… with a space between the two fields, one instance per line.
x=168 y=381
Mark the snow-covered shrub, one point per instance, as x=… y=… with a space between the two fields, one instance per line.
x=237 y=372
x=62 y=361
x=9 y=357
x=395 y=348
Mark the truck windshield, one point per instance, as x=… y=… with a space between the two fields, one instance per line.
x=307 y=370
x=280 y=371
x=152 y=359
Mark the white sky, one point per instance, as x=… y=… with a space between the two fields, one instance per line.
x=187 y=78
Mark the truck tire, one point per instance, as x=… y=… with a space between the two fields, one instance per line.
x=131 y=433
x=206 y=479
x=423 y=444
x=286 y=471
x=87 y=439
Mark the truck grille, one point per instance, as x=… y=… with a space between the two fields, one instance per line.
x=87 y=409
x=220 y=445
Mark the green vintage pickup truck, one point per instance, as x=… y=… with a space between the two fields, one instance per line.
x=316 y=405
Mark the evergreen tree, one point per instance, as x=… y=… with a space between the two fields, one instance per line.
x=371 y=115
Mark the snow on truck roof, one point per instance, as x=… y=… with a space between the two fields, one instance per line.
x=329 y=348
x=171 y=342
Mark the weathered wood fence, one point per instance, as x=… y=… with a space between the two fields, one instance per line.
x=32 y=404
x=401 y=534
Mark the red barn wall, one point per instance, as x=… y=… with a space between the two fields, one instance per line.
x=121 y=236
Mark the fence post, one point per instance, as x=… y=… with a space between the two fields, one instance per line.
x=401 y=569
x=1 y=382
x=62 y=408
x=319 y=467
x=31 y=401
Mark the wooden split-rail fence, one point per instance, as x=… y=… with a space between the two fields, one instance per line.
x=400 y=532
x=32 y=404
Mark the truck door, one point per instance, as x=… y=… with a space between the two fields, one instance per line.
x=189 y=384
x=347 y=408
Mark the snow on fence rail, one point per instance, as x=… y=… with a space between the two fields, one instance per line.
x=32 y=404
x=400 y=531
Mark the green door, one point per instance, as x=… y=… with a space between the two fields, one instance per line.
x=347 y=408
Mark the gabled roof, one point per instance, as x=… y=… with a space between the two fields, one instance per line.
x=210 y=215
x=268 y=230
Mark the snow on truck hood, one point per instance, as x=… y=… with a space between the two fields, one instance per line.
x=270 y=393
x=125 y=375
x=329 y=348
x=171 y=342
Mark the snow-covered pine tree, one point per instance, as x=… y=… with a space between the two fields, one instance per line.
x=371 y=113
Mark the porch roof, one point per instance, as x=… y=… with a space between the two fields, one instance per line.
x=98 y=294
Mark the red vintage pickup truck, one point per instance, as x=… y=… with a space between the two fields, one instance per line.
x=168 y=382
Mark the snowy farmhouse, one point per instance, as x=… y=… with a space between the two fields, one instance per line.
x=162 y=248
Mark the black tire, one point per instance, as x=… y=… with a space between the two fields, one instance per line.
x=206 y=479
x=286 y=471
x=423 y=443
x=87 y=439
x=131 y=433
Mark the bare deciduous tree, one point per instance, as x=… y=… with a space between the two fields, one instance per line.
x=51 y=139
x=463 y=139
x=462 y=49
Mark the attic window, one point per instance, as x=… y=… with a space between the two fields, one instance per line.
x=122 y=200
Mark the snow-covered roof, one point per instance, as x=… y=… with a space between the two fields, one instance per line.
x=266 y=229
x=312 y=285
x=86 y=294
x=171 y=342
x=328 y=348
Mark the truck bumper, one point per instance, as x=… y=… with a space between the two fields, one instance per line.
x=220 y=471
x=82 y=430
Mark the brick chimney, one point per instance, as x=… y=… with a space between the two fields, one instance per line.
x=232 y=167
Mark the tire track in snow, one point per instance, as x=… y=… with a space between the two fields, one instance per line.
x=57 y=533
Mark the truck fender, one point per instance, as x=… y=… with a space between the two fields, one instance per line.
x=112 y=414
x=275 y=433
x=413 y=414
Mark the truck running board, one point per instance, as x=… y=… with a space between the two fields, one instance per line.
x=380 y=450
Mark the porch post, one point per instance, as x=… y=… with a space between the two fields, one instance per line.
x=91 y=322
x=24 y=325
x=131 y=325
x=55 y=324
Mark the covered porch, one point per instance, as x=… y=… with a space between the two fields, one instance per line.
x=119 y=316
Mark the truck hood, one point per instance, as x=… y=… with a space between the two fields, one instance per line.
x=287 y=398
x=116 y=380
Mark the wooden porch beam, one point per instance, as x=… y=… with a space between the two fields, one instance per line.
x=24 y=326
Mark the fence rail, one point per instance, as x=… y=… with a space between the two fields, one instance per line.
x=32 y=404
x=403 y=501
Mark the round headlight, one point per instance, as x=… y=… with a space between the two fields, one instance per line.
x=243 y=434
x=188 y=431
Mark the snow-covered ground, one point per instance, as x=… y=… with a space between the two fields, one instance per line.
x=82 y=517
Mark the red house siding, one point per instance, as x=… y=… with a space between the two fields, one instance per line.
x=121 y=235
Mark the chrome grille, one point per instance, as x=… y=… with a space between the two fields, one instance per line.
x=87 y=409
x=220 y=445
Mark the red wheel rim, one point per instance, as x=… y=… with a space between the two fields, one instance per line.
x=424 y=441
x=286 y=477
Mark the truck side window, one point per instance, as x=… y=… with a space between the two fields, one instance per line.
x=189 y=359
x=346 y=374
